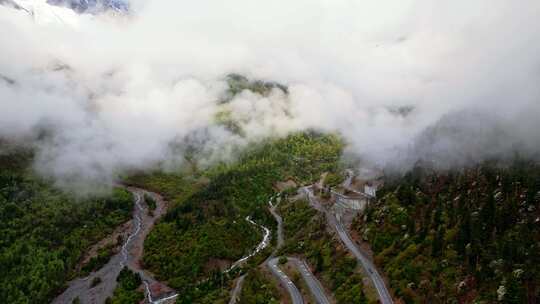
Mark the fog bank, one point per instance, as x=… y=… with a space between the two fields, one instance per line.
x=400 y=80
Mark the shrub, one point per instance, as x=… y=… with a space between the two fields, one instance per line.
x=95 y=282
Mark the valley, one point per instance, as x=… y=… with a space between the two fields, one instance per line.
x=308 y=238
x=129 y=256
x=269 y=152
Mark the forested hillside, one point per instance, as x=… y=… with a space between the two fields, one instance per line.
x=460 y=237
x=207 y=228
x=265 y=152
x=44 y=232
x=259 y=288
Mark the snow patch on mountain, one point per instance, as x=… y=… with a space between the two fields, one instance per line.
x=45 y=13
x=64 y=11
x=92 y=6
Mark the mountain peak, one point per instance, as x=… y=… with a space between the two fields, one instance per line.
x=92 y=6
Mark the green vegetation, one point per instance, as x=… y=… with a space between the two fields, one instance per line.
x=95 y=282
x=225 y=119
x=150 y=201
x=44 y=231
x=126 y=291
x=306 y=234
x=351 y=291
x=333 y=179
x=175 y=188
x=238 y=83
x=206 y=229
x=296 y=216
x=104 y=254
x=471 y=236
x=258 y=289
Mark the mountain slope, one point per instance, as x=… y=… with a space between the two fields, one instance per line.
x=463 y=236
x=206 y=230
x=45 y=232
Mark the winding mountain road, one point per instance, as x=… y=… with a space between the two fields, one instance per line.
x=296 y=296
x=369 y=267
x=279 y=221
x=235 y=295
x=313 y=284
x=272 y=261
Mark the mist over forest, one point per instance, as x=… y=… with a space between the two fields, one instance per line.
x=97 y=94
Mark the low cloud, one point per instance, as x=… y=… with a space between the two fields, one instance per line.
x=401 y=80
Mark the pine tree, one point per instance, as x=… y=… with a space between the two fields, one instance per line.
x=488 y=216
x=438 y=243
x=514 y=291
x=464 y=235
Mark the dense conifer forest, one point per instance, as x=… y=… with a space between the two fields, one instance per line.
x=459 y=236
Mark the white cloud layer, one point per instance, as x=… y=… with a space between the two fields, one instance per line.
x=117 y=90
